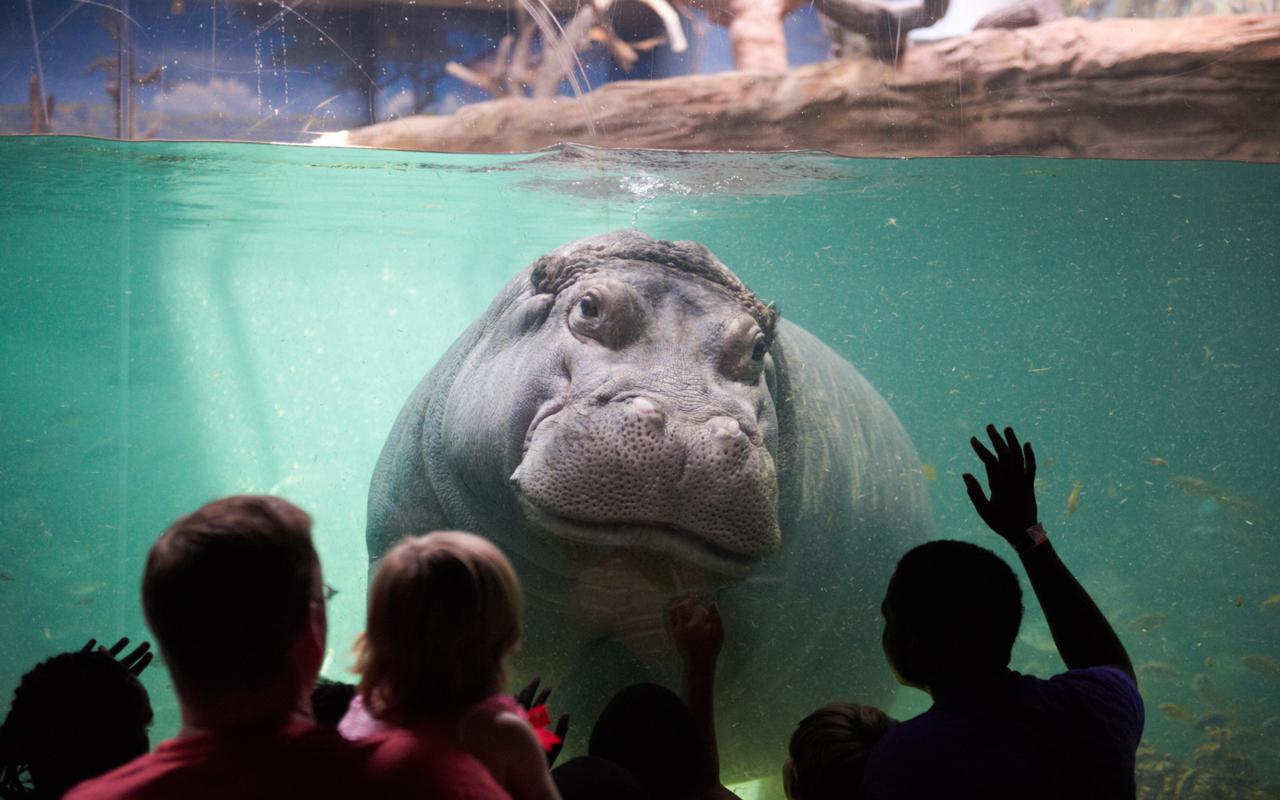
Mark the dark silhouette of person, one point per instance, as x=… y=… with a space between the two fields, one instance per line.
x=234 y=595
x=649 y=731
x=330 y=699
x=952 y=612
x=74 y=716
x=829 y=749
x=594 y=778
x=667 y=742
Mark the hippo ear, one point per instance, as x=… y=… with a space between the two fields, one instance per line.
x=553 y=272
x=542 y=275
x=770 y=374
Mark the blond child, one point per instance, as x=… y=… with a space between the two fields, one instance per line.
x=444 y=616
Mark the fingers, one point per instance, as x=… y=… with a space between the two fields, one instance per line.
x=142 y=664
x=978 y=497
x=118 y=646
x=541 y=699
x=1015 y=449
x=138 y=659
x=983 y=453
x=1029 y=456
x=89 y=645
x=525 y=696
x=1002 y=449
x=988 y=460
x=561 y=730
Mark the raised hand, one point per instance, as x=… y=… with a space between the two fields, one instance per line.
x=1011 y=474
x=697 y=631
x=530 y=698
x=137 y=659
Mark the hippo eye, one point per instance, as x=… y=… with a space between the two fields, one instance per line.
x=610 y=313
x=759 y=348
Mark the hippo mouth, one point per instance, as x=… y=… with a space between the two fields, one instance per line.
x=684 y=545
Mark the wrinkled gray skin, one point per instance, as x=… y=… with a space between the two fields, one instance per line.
x=628 y=423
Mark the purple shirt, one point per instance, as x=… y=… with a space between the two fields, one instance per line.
x=1072 y=736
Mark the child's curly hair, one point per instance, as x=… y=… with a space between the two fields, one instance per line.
x=74 y=716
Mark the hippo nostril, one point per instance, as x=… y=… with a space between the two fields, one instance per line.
x=725 y=427
x=647 y=410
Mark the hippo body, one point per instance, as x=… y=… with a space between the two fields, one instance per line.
x=629 y=423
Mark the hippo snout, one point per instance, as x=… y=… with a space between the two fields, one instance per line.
x=640 y=462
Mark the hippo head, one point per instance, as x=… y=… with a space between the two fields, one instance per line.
x=625 y=396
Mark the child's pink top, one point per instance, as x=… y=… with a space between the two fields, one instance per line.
x=358 y=723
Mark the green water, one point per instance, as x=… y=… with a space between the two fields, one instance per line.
x=183 y=321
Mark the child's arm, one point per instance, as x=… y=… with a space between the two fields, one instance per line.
x=698 y=634
x=1083 y=635
x=506 y=744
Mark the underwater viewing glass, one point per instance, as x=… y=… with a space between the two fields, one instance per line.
x=237 y=235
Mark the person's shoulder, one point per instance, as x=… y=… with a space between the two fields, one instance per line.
x=427 y=761
x=499 y=727
x=126 y=781
x=900 y=748
x=1104 y=682
x=1102 y=698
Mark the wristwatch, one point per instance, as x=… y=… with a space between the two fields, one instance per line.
x=1035 y=536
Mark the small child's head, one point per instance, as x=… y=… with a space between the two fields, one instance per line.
x=648 y=730
x=445 y=611
x=74 y=716
x=829 y=751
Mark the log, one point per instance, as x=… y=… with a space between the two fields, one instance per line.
x=1190 y=88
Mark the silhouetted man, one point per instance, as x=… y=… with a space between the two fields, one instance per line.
x=952 y=612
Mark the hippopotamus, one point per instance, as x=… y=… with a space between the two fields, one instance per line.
x=630 y=424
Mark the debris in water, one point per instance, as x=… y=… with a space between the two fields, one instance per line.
x=1240 y=507
x=1272 y=603
x=1263 y=665
x=1073 y=500
x=1175 y=711
x=930 y=471
x=1207 y=692
x=1214 y=720
x=83 y=594
x=4 y=576
x=1149 y=621
x=1159 y=670
x=1157 y=461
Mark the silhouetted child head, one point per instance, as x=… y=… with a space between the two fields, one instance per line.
x=594 y=778
x=330 y=699
x=829 y=751
x=649 y=730
x=445 y=612
x=952 y=611
x=74 y=716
